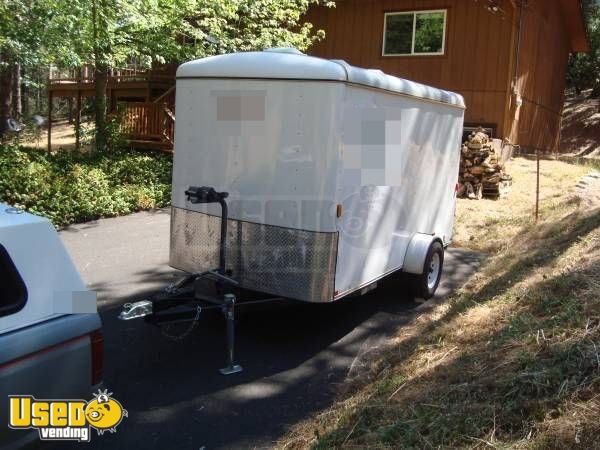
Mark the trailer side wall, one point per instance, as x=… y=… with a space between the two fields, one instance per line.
x=419 y=145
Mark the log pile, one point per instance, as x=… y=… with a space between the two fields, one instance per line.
x=481 y=171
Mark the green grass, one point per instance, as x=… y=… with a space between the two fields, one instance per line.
x=70 y=187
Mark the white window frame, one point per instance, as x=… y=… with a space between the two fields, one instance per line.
x=412 y=46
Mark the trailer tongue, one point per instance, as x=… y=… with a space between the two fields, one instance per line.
x=158 y=309
x=324 y=178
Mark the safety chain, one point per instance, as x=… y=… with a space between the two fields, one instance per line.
x=164 y=329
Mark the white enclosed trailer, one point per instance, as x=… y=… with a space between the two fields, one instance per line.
x=337 y=175
x=303 y=178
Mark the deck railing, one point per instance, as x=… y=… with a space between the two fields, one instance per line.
x=147 y=121
x=112 y=79
x=116 y=76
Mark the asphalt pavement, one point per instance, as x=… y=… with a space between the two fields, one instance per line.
x=295 y=358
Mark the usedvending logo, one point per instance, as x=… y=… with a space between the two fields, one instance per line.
x=66 y=420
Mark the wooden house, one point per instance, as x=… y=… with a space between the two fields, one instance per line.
x=508 y=58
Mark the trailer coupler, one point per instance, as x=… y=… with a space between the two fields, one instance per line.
x=166 y=308
x=135 y=310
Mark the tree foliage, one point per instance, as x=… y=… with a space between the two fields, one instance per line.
x=62 y=31
x=584 y=69
x=111 y=33
x=174 y=30
x=22 y=26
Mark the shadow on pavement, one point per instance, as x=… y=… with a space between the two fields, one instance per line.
x=294 y=358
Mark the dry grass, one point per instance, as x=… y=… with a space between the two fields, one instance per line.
x=580 y=134
x=486 y=224
x=513 y=359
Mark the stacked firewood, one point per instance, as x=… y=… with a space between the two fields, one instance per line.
x=482 y=168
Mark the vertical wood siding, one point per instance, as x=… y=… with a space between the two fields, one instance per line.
x=478 y=61
x=541 y=76
x=475 y=62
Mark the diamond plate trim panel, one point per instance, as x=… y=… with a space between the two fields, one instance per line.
x=281 y=261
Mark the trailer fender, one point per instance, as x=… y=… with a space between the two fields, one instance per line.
x=416 y=252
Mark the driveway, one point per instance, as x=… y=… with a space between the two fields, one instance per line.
x=295 y=358
x=123 y=257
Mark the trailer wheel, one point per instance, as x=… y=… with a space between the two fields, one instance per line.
x=424 y=285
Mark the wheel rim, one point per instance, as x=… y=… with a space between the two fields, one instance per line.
x=434 y=271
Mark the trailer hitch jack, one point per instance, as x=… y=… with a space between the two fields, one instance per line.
x=207 y=194
x=229 y=312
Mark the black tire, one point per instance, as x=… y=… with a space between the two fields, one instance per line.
x=425 y=284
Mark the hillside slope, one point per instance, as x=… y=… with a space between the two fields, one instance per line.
x=580 y=133
x=513 y=359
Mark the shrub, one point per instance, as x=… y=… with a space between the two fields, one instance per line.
x=69 y=187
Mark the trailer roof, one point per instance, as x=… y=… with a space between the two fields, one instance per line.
x=290 y=64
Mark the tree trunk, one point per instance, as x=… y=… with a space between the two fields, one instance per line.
x=70 y=110
x=24 y=97
x=5 y=92
x=100 y=74
x=16 y=91
x=101 y=79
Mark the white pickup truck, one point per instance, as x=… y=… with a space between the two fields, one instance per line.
x=51 y=343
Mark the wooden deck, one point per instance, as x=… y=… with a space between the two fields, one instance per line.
x=143 y=100
x=142 y=84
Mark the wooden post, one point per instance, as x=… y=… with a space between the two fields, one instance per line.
x=148 y=77
x=78 y=120
x=70 y=108
x=50 y=121
x=537 y=185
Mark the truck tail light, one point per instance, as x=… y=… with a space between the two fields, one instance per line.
x=97 y=342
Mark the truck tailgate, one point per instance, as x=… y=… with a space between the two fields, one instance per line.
x=48 y=360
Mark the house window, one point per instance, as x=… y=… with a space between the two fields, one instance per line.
x=13 y=293
x=414 y=33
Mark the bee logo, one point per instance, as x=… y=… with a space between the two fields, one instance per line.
x=104 y=413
